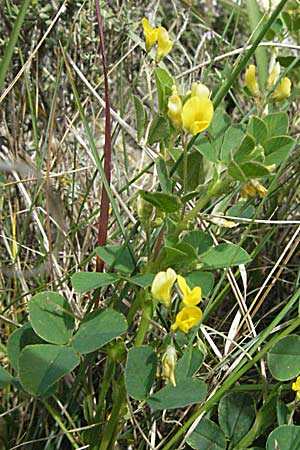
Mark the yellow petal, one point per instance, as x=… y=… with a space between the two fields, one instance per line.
x=199 y=90
x=164 y=44
x=191 y=297
x=150 y=34
x=283 y=91
x=250 y=79
x=187 y=318
x=197 y=114
x=273 y=77
x=247 y=190
x=174 y=110
x=161 y=286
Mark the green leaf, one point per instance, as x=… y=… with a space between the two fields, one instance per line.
x=97 y=329
x=244 y=152
x=232 y=140
x=277 y=149
x=88 y=281
x=255 y=169
x=117 y=256
x=258 y=129
x=199 y=240
x=284 y=358
x=285 y=437
x=277 y=124
x=140 y=371
x=286 y=61
x=241 y=210
x=159 y=130
x=18 y=340
x=225 y=255
x=42 y=365
x=141 y=117
x=220 y=123
x=186 y=392
x=168 y=203
x=163 y=175
x=206 y=149
x=189 y=363
x=196 y=170
x=164 y=83
x=236 y=414
x=5 y=377
x=143 y=280
x=51 y=317
x=203 y=279
x=182 y=254
x=207 y=436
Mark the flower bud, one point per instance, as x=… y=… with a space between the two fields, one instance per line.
x=273 y=77
x=144 y=209
x=168 y=364
x=251 y=82
x=283 y=91
x=199 y=90
x=164 y=44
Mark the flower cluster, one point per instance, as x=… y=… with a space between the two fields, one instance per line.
x=282 y=91
x=189 y=314
x=159 y=35
x=196 y=113
x=250 y=190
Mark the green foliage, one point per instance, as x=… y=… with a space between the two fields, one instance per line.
x=286 y=437
x=207 y=436
x=97 y=329
x=186 y=392
x=88 y=281
x=5 y=377
x=118 y=257
x=225 y=255
x=18 y=340
x=159 y=130
x=51 y=317
x=236 y=414
x=189 y=364
x=284 y=358
x=164 y=84
x=140 y=371
x=167 y=203
x=141 y=117
x=42 y=365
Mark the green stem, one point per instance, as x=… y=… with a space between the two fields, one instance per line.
x=9 y=50
x=114 y=417
x=57 y=417
x=255 y=16
x=148 y=79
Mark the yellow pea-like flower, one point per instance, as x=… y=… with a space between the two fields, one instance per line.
x=175 y=109
x=150 y=34
x=251 y=82
x=273 y=76
x=247 y=190
x=162 y=285
x=199 y=90
x=168 y=364
x=296 y=387
x=197 y=114
x=164 y=44
x=191 y=297
x=187 y=318
x=283 y=91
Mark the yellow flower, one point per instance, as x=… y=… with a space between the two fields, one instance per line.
x=187 y=318
x=260 y=189
x=168 y=364
x=150 y=34
x=247 y=190
x=273 y=77
x=175 y=108
x=161 y=286
x=296 y=387
x=190 y=297
x=197 y=114
x=199 y=90
x=283 y=90
x=164 y=44
x=251 y=82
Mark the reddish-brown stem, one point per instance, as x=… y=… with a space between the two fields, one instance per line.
x=104 y=206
